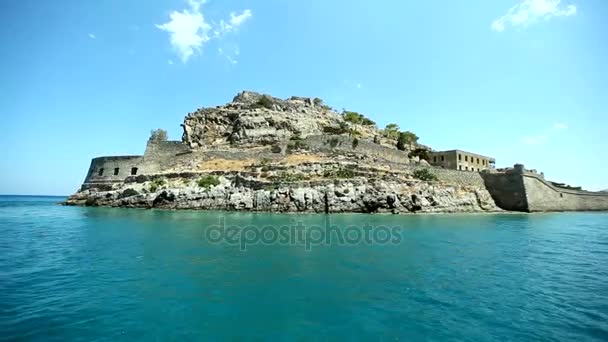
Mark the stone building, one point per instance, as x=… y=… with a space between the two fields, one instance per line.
x=461 y=160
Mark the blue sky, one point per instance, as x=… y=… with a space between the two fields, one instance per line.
x=520 y=80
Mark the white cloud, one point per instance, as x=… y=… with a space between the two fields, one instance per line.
x=544 y=136
x=530 y=11
x=92 y=36
x=230 y=53
x=234 y=22
x=189 y=30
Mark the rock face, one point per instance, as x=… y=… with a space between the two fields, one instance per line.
x=356 y=195
x=253 y=119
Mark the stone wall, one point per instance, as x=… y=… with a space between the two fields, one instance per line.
x=507 y=190
x=520 y=190
x=543 y=196
x=329 y=143
x=124 y=164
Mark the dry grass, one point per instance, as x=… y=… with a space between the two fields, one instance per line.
x=225 y=165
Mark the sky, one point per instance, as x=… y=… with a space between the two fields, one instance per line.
x=523 y=81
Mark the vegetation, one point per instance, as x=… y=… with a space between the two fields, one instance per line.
x=391 y=131
x=318 y=102
x=296 y=145
x=357 y=118
x=343 y=128
x=208 y=181
x=420 y=153
x=276 y=149
x=156 y=184
x=425 y=175
x=264 y=101
x=333 y=142
x=287 y=176
x=406 y=138
x=158 y=135
x=355 y=143
x=340 y=173
x=376 y=139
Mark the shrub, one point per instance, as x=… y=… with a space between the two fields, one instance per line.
x=264 y=101
x=276 y=149
x=158 y=135
x=333 y=142
x=340 y=173
x=156 y=184
x=343 y=128
x=296 y=145
x=357 y=118
x=376 y=139
x=355 y=143
x=425 y=175
x=391 y=131
x=208 y=181
x=406 y=138
x=287 y=176
x=318 y=102
x=420 y=153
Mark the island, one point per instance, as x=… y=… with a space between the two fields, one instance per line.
x=261 y=153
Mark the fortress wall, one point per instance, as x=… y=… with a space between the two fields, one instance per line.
x=124 y=164
x=543 y=196
x=345 y=144
x=507 y=190
x=162 y=155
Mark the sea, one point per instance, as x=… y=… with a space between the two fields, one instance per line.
x=109 y=274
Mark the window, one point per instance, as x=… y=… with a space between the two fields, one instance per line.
x=442 y=158
x=460 y=167
x=477 y=160
x=434 y=159
x=133 y=171
x=459 y=157
x=100 y=173
x=466 y=158
x=466 y=167
x=116 y=171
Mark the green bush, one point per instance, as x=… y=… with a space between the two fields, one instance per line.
x=425 y=175
x=333 y=142
x=420 y=153
x=343 y=128
x=357 y=118
x=156 y=184
x=265 y=101
x=391 y=131
x=158 y=135
x=318 y=102
x=287 y=176
x=296 y=145
x=276 y=149
x=355 y=143
x=406 y=138
x=208 y=181
x=340 y=173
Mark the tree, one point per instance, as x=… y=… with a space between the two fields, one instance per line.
x=391 y=131
x=158 y=135
x=406 y=138
x=420 y=153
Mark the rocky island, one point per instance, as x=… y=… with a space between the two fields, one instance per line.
x=260 y=153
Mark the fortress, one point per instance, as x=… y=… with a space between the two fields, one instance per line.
x=260 y=153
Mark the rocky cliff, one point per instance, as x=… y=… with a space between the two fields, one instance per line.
x=260 y=153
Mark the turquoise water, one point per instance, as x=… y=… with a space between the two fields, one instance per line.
x=69 y=273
